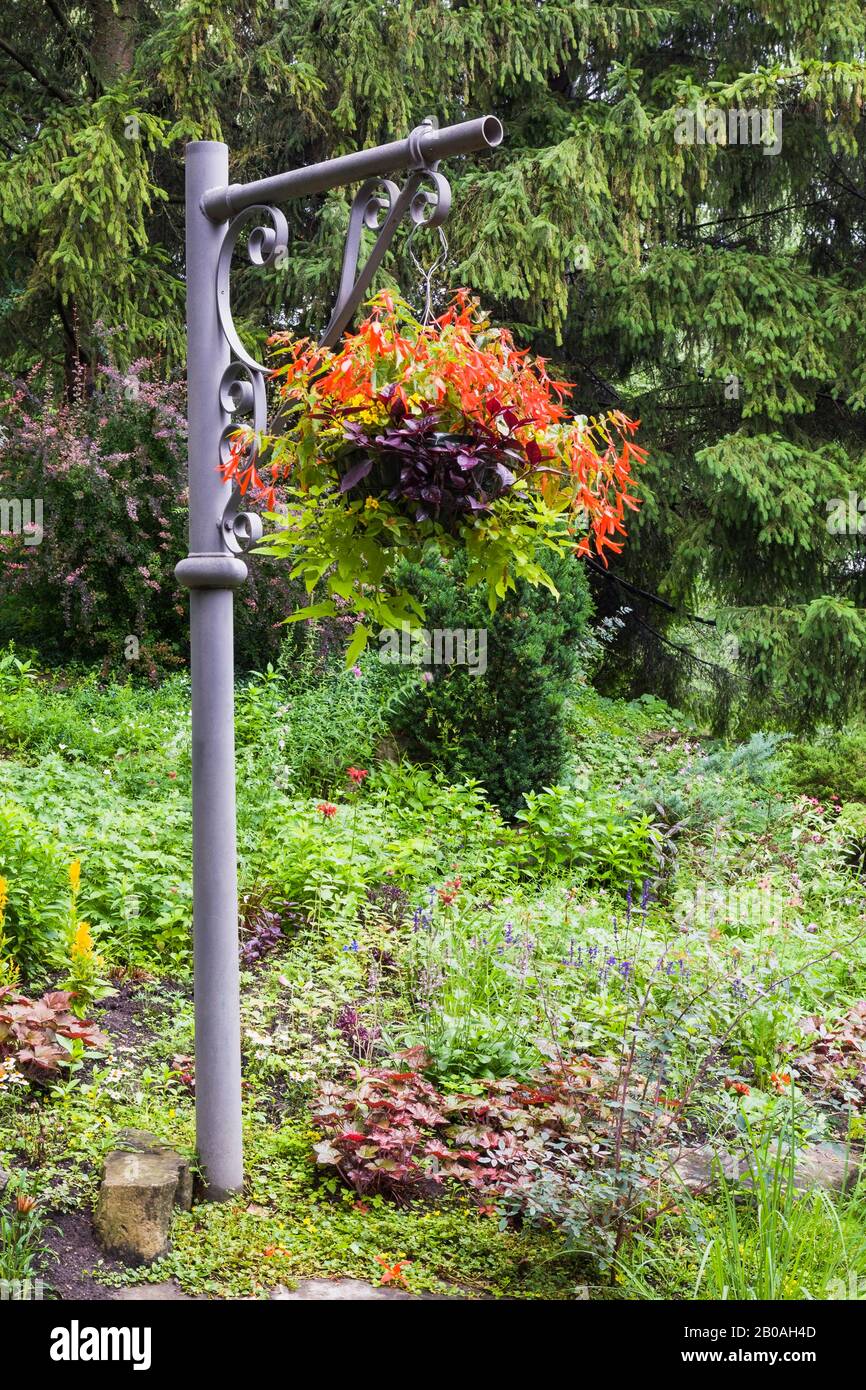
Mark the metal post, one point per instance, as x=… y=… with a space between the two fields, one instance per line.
x=211 y=573
x=224 y=381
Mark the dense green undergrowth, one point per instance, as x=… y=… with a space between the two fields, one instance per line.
x=634 y=964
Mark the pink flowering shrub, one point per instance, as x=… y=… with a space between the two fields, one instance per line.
x=109 y=470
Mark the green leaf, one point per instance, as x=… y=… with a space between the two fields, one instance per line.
x=325 y=609
x=360 y=638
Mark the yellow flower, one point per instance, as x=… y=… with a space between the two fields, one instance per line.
x=75 y=874
x=82 y=941
x=4 y=895
x=371 y=504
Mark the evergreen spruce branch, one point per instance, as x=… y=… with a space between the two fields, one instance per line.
x=845 y=185
x=45 y=82
x=680 y=649
x=753 y=216
x=645 y=593
x=83 y=52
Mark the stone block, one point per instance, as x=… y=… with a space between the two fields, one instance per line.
x=144 y=1179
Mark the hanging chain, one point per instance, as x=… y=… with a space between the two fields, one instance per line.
x=426 y=275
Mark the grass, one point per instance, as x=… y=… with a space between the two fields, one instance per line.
x=756 y=1238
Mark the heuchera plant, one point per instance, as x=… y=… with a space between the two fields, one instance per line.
x=393 y=1131
x=411 y=438
x=42 y=1035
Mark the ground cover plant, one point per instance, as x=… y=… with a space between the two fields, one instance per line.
x=476 y=1046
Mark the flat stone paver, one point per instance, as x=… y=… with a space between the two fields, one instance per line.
x=170 y=1290
x=340 y=1290
x=828 y=1165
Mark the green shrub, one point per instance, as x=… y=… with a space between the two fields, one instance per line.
x=88 y=720
x=834 y=765
x=136 y=865
x=506 y=728
x=756 y=760
x=573 y=834
x=705 y=792
x=405 y=826
x=309 y=721
x=36 y=871
x=444 y=827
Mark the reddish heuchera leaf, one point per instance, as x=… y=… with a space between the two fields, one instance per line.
x=29 y=1029
x=492 y=1144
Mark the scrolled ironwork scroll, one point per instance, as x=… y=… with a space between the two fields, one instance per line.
x=379 y=206
x=242 y=391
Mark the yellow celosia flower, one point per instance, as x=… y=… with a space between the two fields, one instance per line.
x=4 y=895
x=82 y=941
x=75 y=874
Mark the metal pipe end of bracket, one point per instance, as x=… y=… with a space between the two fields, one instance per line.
x=493 y=131
x=425 y=146
x=469 y=137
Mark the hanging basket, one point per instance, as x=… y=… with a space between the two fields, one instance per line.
x=410 y=436
x=427 y=474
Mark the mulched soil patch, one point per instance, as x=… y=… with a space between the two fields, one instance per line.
x=131 y=1017
x=125 y=1017
x=77 y=1250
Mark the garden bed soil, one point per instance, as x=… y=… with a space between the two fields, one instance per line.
x=72 y=1240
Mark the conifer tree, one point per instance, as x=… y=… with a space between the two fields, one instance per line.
x=676 y=217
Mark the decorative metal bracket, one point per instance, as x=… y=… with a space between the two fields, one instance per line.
x=428 y=207
x=378 y=206
x=242 y=391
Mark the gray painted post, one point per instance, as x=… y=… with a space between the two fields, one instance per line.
x=212 y=569
x=211 y=573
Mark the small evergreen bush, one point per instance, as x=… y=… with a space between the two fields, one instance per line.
x=833 y=766
x=507 y=727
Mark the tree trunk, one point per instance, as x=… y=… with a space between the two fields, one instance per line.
x=114 y=34
x=113 y=51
